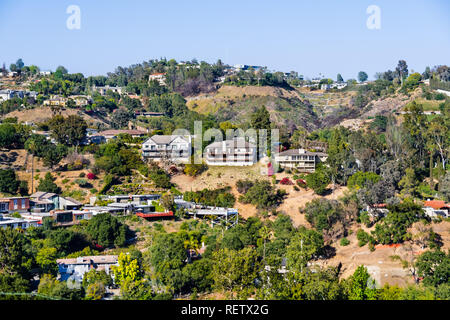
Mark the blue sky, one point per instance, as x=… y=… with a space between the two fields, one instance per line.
x=310 y=37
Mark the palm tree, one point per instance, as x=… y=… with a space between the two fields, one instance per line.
x=265 y=233
x=191 y=244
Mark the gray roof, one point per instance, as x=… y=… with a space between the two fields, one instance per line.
x=112 y=259
x=296 y=152
x=75 y=202
x=235 y=143
x=43 y=195
x=165 y=139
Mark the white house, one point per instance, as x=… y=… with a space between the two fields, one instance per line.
x=74 y=269
x=160 y=77
x=103 y=90
x=435 y=208
x=300 y=159
x=15 y=223
x=173 y=147
x=235 y=152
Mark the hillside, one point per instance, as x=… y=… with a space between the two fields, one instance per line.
x=299 y=107
x=42 y=113
x=236 y=104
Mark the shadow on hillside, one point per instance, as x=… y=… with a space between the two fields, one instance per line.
x=329 y=252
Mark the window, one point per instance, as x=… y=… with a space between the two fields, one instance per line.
x=23 y=203
x=15 y=204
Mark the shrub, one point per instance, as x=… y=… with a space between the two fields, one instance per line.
x=286 y=181
x=344 y=242
x=82 y=175
x=83 y=183
x=91 y=176
x=363 y=237
x=243 y=185
x=301 y=183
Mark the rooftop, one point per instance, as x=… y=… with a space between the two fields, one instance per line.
x=117 y=132
x=234 y=143
x=165 y=139
x=294 y=152
x=89 y=259
x=436 y=204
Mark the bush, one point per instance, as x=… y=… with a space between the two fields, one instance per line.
x=318 y=181
x=344 y=242
x=82 y=175
x=243 y=185
x=82 y=183
x=363 y=237
x=301 y=183
x=323 y=213
x=263 y=195
x=91 y=176
x=286 y=181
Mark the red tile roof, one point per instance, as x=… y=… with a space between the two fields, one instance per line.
x=436 y=204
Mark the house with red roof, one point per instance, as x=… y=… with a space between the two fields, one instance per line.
x=435 y=208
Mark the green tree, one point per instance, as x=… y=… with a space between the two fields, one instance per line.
x=46 y=259
x=318 y=181
x=13 y=256
x=361 y=286
x=360 y=179
x=362 y=76
x=235 y=271
x=8 y=135
x=48 y=184
x=69 y=131
x=323 y=213
x=127 y=270
x=434 y=267
x=106 y=230
x=305 y=245
x=8 y=181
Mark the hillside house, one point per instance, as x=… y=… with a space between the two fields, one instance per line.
x=81 y=100
x=113 y=134
x=74 y=269
x=14 y=204
x=173 y=147
x=234 y=152
x=44 y=201
x=15 y=223
x=102 y=90
x=377 y=210
x=436 y=208
x=56 y=101
x=300 y=159
x=160 y=77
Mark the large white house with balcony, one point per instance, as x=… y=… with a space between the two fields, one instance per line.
x=176 y=148
x=300 y=159
x=235 y=152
